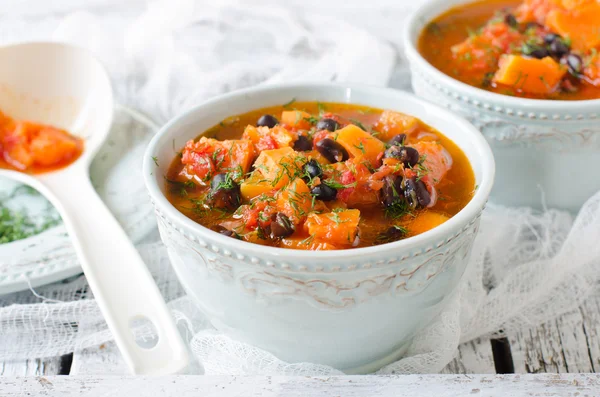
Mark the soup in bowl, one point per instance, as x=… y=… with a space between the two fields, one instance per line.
x=277 y=222
x=524 y=73
x=542 y=49
x=320 y=176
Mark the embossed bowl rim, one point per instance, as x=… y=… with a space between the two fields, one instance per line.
x=358 y=94
x=417 y=21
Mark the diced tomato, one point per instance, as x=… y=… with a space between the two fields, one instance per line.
x=265 y=138
x=481 y=52
x=347 y=178
x=24 y=144
x=51 y=146
x=319 y=136
x=207 y=156
x=592 y=69
x=250 y=217
x=266 y=143
x=436 y=162
x=535 y=10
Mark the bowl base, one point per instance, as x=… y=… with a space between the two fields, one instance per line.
x=379 y=363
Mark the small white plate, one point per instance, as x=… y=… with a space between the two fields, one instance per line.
x=117 y=175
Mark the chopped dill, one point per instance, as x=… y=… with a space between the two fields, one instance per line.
x=397 y=210
x=337 y=185
x=288 y=104
x=321 y=107
x=17 y=224
x=358 y=124
x=360 y=147
x=312 y=119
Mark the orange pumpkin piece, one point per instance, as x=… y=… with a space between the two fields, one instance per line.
x=296 y=119
x=278 y=165
x=265 y=138
x=536 y=76
x=581 y=25
x=254 y=186
x=360 y=143
x=295 y=201
x=424 y=221
x=392 y=123
x=306 y=243
x=338 y=228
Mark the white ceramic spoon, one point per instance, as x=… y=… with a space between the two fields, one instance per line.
x=64 y=86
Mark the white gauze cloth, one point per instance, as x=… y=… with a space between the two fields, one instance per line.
x=526 y=268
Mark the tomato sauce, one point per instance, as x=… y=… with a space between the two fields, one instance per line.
x=539 y=49
x=320 y=176
x=34 y=148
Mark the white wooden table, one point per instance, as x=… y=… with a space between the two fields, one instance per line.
x=568 y=345
x=384 y=386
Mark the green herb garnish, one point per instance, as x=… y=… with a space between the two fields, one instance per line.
x=290 y=103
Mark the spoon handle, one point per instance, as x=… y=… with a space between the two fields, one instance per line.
x=122 y=285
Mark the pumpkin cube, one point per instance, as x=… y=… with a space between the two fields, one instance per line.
x=338 y=228
x=536 y=76
x=360 y=143
x=392 y=123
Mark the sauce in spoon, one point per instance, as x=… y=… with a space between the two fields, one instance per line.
x=34 y=148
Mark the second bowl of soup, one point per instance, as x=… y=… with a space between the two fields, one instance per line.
x=322 y=223
x=526 y=74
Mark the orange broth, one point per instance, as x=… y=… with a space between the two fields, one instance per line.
x=357 y=216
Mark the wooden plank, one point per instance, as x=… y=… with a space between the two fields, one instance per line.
x=475 y=357
x=557 y=346
x=590 y=312
x=350 y=386
x=37 y=367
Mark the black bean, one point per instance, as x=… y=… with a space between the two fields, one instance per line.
x=391 y=193
x=534 y=50
x=558 y=49
x=267 y=121
x=303 y=144
x=224 y=192
x=416 y=193
x=332 y=151
x=408 y=155
x=399 y=140
x=510 y=20
x=392 y=234
x=312 y=169
x=550 y=38
x=324 y=192
x=281 y=226
x=574 y=64
x=327 y=124
x=423 y=195
x=410 y=193
x=224 y=231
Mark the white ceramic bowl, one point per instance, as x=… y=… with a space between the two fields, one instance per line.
x=540 y=145
x=355 y=310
